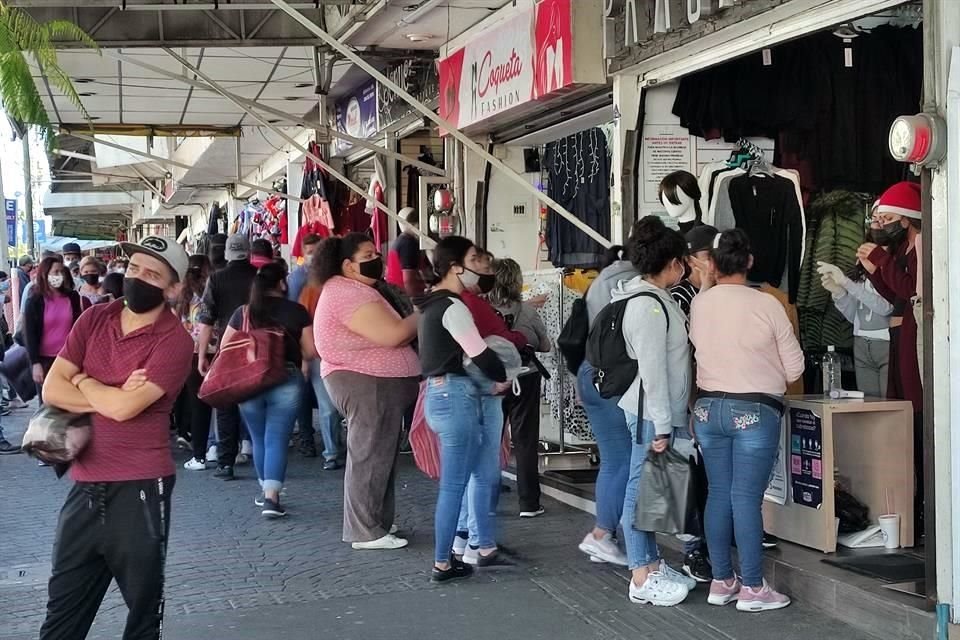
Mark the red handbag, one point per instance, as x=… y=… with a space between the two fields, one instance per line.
x=250 y=363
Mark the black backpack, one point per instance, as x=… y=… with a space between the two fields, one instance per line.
x=607 y=348
x=572 y=341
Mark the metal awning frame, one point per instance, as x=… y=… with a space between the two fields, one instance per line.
x=444 y=125
x=244 y=103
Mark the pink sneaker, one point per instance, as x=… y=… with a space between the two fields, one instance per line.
x=723 y=592
x=762 y=599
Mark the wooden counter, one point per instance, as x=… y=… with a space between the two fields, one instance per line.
x=867 y=442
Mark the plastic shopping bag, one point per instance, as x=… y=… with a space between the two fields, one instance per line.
x=666 y=499
x=55 y=436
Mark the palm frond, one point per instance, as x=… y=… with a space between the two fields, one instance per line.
x=21 y=36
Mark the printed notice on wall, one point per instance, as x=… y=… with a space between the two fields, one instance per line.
x=666 y=148
x=777 y=487
x=806 y=458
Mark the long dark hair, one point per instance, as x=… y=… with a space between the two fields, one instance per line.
x=198 y=270
x=112 y=284
x=328 y=258
x=42 y=288
x=266 y=282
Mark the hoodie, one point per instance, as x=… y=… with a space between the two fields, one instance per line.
x=447 y=333
x=600 y=291
x=662 y=355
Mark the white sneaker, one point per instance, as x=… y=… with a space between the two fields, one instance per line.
x=388 y=541
x=539 y=511
x=212 y=453
x=246 y=448
x=680 y=578
x=459 y=546
x=658 y=591
x=194 y=465
x=605 y=549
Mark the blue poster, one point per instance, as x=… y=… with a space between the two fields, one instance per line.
x=39 y=232
x=356 y=114
x=10 y=208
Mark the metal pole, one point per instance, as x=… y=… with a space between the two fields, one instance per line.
x=28 y=194
x=441 y=122
x=360 y=142
x=174 y=163
x=280 y=132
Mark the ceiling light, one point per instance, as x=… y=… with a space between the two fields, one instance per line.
x=303 y=85
x=87 y=94
x=273 y=121
x=292 y=98
x=418 y=37
x=82 y=80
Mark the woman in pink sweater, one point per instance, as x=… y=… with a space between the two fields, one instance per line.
x=746 y=355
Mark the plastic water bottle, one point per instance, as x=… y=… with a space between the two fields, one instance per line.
x=830 y=366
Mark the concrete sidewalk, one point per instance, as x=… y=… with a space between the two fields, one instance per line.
x=232 y=575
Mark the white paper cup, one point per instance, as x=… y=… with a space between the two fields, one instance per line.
x=890 y=528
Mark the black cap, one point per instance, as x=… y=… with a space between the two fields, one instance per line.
x=71 y=247
x=700 y=238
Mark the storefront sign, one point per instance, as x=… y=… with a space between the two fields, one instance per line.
x=806 y=458
x=632 y=23
x=521 y=59
x=666 y=148
x=357 y=114
x=10 y=208
x=418 y=78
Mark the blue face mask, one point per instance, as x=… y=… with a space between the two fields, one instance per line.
x=4 y=286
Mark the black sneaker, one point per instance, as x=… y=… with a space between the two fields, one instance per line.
x=770 y=541
x=697 y=566
x=307 y=449
x=272 y=509
x=331 y=465
x=6 y=448
x=457 y=571
x=225 y=473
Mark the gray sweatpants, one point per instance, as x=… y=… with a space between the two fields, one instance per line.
x=870 y=359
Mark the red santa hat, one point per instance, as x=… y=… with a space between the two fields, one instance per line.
x=902 y=199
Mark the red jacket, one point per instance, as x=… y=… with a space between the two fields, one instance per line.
x=896 y=280
x=488 y=321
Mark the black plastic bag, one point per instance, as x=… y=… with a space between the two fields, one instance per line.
x=854 y=515
x=666 y=500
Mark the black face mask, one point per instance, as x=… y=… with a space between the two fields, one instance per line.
x=372 y=269
x=91 y=279
x=486 y=282
x=142 y=296
x=894 y=233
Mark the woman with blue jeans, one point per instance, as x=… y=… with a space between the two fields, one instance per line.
x=746 y=354
x=452 y=405
x=655 y=404
x=609 y=426
x=270 y=415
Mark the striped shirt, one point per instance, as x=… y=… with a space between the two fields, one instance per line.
x=683 y=293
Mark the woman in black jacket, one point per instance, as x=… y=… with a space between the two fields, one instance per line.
x=48 y=315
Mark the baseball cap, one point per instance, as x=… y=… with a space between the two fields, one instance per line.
x=700 y=238
x=164 y=250
x=71 y=247
x=26 y=261
x=238 y=248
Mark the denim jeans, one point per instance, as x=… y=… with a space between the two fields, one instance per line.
x=641 y=546
x=269 y=418
x=453 y=411
x=609 y=426
x=483 y=490
x=330 y=419
x=739 y=442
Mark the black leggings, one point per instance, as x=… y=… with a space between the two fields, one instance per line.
x=193 y=414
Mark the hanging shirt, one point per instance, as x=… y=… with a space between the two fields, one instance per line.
x=766 y=207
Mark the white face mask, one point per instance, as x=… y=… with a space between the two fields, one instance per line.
x=469 y=279
x=55 y=281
